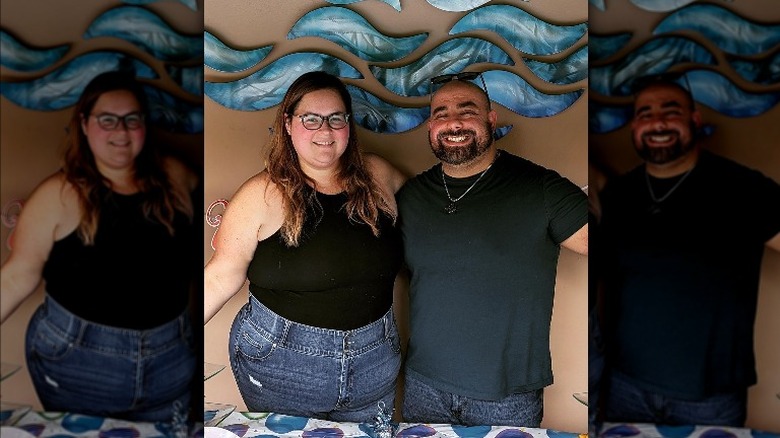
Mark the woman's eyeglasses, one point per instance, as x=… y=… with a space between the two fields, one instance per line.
x=469 y=76
x=110 y=122
x=313 y=122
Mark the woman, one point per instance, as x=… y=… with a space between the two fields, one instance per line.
x=315 y=235
x=111 y=233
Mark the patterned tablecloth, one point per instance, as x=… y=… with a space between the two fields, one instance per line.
x=619 y=430
x=65 y=425
x=245 y=424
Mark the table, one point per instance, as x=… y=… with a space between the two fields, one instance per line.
x=37 y=424
x=647 y=430
x=266 y=425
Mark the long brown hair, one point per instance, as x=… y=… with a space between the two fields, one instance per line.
x=92 y=188
x=365 y=200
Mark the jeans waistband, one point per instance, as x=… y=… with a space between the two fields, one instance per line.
x=76 y=328
x=293 y=334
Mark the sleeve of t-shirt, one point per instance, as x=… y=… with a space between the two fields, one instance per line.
x=766 y=198
x=566 y=206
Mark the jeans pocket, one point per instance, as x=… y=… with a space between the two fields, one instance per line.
x=49 y=342
x=253 y=344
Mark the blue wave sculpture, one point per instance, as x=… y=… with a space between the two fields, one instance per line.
x=173 y=114
x=719 y=93
x=655 y=57
x=602 y=46
x=572 y=69
x=450 y=57
x=522 y=30
x=606 y=118
x=457 y=5
x=352 y=32
x=517 y=95
x=765 y=71
x=266 y=87
x=192 y=4
x=376 y=115
x=501 y=131
x=396 y=4
x=514 y=93
x=189 y=78
x=661 y=5
x=20 y=57
x=732 y=33
x=62 y=87
x=220 y=57
x=148 y=31
x=598 y=4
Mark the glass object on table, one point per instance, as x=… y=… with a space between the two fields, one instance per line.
x=581 y=397
x=211 y=369
x=7 y=369
x=214 y=413
x=10 y=413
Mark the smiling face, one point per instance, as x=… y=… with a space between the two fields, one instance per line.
x=461 y=126
x=664 y=125
x=322 y=148
x=114 y=149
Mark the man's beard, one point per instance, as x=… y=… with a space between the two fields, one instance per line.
x=460 y=154
x=667 y=154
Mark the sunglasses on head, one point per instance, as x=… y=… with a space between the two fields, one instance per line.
x=468 y=76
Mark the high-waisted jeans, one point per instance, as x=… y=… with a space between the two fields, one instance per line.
x=296 y=369
x=94 y=369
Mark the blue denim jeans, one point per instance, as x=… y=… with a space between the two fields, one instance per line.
x=626 y=402
x=425 y=404
x=296 y=369
x=93 y=369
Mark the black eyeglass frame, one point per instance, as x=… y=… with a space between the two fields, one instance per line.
x=467 y=76
x=101 y=120
x=323 y=119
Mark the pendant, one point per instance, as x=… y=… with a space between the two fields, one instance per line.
x=451 y=208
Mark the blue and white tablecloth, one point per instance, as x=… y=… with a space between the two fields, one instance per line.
x=265 y=425
x=645 y=430
x=65 y=425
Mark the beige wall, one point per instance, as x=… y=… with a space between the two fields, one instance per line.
x=235 y=140
x=31 y=141
x=751 y=141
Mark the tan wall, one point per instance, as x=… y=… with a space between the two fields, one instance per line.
x=31 y=141
x=235 y=140
x=751 y=141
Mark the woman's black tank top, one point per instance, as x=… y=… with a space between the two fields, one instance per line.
x=136 y=275
x=339 y=277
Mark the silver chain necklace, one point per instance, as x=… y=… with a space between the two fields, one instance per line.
x=452 y=207
x=655 y=208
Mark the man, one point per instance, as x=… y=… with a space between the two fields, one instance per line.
x=680 y=245
x=482 y=234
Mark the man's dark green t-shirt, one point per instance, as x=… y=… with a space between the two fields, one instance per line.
x=483 y=278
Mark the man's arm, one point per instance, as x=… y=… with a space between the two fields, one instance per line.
x=578 y=242
x=774 y=243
